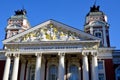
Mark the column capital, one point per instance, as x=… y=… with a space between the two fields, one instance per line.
x=85 y=53
x=61 y=54
x=8 y=55
x=38 y=54
x=94 y=53
x=16 y=55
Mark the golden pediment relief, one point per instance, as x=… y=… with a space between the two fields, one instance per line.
x=48 y=33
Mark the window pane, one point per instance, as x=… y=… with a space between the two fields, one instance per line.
x=118 y=74
x=100 y=65
x=32 y=73
x=101 y=76
x=73 y=72
x=53 y=72
x=98 y=34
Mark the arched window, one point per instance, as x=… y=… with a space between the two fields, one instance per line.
x=73 y=70
x=98 y=34
x=53 y=72
x=118 y=73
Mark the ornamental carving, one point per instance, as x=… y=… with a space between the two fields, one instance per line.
x=48 y=33
x=90 y=46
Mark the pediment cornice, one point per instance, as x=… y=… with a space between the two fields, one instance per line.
x=51 y=31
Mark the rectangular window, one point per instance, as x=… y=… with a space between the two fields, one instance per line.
x=100 y=65
x=101 y=76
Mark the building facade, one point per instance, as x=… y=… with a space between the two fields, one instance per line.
x=55 y=51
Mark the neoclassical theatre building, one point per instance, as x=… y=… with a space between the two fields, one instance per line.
x=55 y=51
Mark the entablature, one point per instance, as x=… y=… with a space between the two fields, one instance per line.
x=53 y=45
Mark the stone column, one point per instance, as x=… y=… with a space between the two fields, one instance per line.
x=22 y=73
x=15 y=67
x=7 y=68
x=38 y=66
x=61 y=68
x=85 y=66
x=94 y=66
x=104 y=35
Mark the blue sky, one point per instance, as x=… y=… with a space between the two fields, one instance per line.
x=70 y=12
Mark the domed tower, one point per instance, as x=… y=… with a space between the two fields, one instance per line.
x=96 y=24
x=17 y=23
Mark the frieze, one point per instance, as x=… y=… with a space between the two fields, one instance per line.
x=51 y=47
x=70 y=47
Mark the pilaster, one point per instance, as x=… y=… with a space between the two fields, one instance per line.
x=104 y=35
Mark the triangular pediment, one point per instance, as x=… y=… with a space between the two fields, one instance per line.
x=50 y=31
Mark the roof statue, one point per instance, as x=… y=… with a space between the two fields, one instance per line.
x=94 y=8
x=21 y=12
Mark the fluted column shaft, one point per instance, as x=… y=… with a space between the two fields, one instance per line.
x=61 y=67
x=85 y=67
x=94 y=66
x=38 y=66
x=7 y=68
x=15 y=67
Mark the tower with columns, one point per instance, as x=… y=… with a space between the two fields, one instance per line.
x=17 y=23
x=55 y=51
x=97 y=25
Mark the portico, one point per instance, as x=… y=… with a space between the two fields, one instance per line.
x=65 y=61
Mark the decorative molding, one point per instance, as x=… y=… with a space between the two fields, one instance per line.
x=16 y=55
x=85 y=53
x=94 y=53
x=38 y=54
x=8 y=54
x=61 y=54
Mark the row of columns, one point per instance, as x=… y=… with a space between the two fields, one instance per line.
x=94 y=66
x=60 y=68
x=15 y=67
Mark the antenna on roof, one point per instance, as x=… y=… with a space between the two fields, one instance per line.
x=23 y=7
x=24 y=10
x=95 y=2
